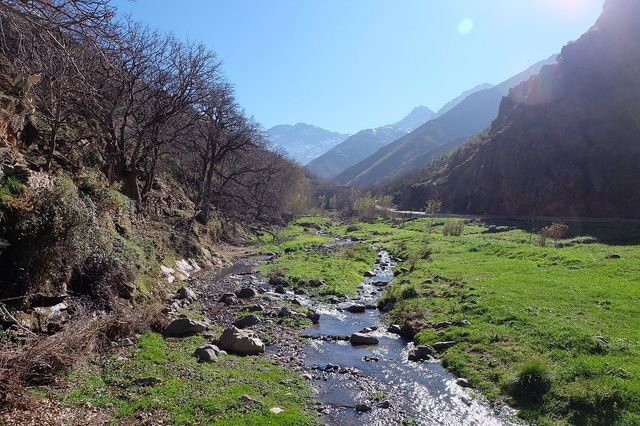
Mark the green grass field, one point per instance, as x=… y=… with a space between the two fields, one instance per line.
x=574 y=310
x=188 y=392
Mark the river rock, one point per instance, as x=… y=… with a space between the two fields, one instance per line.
x=316 y=283
x=206 y=354
x=362 y=407
x=314 y=317
x=383 y=404
x=442 y=324
x=228 y=299
x=280 y=289
x=276 y=280
x=369 y=274
x=357 y=339
x=185 y=293
x=442 y=346
x=356 y=308
x=421 y=353
x=394 y=328
x=246 y=293
x=285 y=312
x=240 y=342
x=385 y=305
x=183 y=327
x=463 y=383
x=247 y=321
x=255 y=308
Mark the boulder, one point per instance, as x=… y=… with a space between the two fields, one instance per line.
x=185 y=293
x=240 y=342
x=280 y=289
x=183 y=327
x=247 y=321
x=246 y=293
x=357 y=339
x=356 y=308
x=421 y=353
x=369 y=274
x=206 y=354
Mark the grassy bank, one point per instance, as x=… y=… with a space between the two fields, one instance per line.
x=341 y=269
x=234 y=390
x=571 y=315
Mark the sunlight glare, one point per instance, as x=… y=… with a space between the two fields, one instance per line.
x=465 y=26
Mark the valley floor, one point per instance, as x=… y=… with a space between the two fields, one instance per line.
x=565 y=317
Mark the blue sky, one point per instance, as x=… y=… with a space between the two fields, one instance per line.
x=346 y=65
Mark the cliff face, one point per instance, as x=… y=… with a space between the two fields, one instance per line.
x=565 y=143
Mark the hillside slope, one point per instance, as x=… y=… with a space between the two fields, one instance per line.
x=366 y=142
x=416 y=150
x=566 y=142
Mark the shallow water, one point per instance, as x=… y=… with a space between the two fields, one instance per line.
x=424 y=391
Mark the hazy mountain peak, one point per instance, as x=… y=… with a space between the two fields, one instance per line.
x=417 y=117
x=303 y=142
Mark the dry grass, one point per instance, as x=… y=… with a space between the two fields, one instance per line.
x=43 y=359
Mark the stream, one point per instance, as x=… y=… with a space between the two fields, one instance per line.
x=416 y=393
x=422 y=391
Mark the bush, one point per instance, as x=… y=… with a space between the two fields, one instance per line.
x=425 y=252
x=353 y=228
x=409 y=293
x=51 y=238
x=555 y=231
x=10 y=187
x=453 y=228
x=365 y=208
x=531 y=383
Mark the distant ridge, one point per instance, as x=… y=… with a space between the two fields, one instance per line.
x=416 y=150
x=364 y=143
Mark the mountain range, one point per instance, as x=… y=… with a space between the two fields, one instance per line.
x=364 y=143
x=303 y=142
x=457 y=121
x=565 y=143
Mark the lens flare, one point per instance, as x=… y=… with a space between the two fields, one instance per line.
x=465 y=26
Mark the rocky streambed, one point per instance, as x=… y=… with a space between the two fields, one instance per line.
x=359 y=367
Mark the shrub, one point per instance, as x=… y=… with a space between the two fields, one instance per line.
x=531 y=383
x=453 y=228
x=365 y=207
x=425 y=252
x=51 y=238
x=353 y=228
x=410 y=293
x=555 y=231
x=10 y=187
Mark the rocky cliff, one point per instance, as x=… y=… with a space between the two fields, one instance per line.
x=565 y=143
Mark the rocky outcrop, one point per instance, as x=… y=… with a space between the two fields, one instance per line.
x=565 y=143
